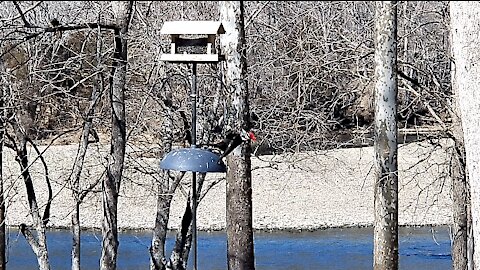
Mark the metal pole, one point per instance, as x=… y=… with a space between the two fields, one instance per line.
x=193 y=95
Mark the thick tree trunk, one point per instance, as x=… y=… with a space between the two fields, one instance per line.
x=240 y=248
x=3 y=242
x=3 y=239
x=465 y=26
x=460 y=189
x=461 y=202
x=111 y=183
x=385 y=145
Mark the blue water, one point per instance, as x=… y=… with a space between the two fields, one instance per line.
x=419 y=248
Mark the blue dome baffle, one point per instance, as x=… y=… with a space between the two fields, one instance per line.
x=192 y=160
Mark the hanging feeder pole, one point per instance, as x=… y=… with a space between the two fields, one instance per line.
x=193 y=159
x=193 y=95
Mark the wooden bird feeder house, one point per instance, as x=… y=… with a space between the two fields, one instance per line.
x=192 y=41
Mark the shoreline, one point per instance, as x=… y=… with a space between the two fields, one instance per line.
x=298 y=192
x=261 y=231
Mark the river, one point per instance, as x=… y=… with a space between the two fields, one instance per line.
x=351 y=248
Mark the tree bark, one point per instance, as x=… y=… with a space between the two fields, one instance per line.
x=22 y=125
x=79 y=194
x=461 y=204
x=460 y=188
x=465 y=26
x=3 y=242
x=166 y=191
x=385 y=132
x=158 y=260
x=3 y=239
x=38 y=243
x=111 y=183
x=157 y=249
x=240 y=246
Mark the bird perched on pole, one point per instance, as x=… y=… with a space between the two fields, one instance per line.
x=232 y=140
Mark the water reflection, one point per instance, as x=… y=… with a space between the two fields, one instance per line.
x=420 y=248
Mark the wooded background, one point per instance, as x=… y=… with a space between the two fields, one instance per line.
x=310 y=69
x=90 y=72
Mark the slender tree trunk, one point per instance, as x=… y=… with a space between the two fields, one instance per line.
x=465 y=26
x=157 y=249
x=78 y=194
x=240 y=247
x=158 y=260
x=111 y=183
x=38 y=243
x=183 y=241
x=385 y=145
x=22 y=124
x=76 y=237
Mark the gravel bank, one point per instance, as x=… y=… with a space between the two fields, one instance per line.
x=295 y=192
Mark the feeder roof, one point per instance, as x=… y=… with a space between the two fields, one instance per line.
x=192 y=28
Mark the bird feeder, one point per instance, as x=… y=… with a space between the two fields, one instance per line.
x=192 y=41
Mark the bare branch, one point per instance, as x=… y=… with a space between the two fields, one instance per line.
x=21 y=14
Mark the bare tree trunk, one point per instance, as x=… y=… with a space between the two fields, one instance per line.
x=179 y=257
x=166 y=190
x=240 y=250
x=164 y=197
x=79 y=194
x=183 y=239
x=157 y=249
x=22 y=124
x=3 y=239
x=461 y=203
x=385 y=145
x=38 y=243
x=76 y=234
x=460 y=189
x=465 y=25
x=111 y=183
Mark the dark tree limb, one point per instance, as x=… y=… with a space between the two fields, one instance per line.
x=46 y=213
x=176 y=260
x=21 y=14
